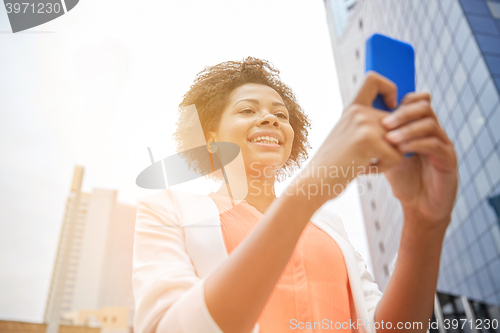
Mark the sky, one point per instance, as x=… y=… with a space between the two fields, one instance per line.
x=100 y=84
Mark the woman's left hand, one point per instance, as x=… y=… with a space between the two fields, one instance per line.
x=426 y=183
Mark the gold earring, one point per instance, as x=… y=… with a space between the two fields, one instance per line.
x=214 y=146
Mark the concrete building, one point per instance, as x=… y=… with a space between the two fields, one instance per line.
x=341 y=12
x=109 y=319
x=93 y=268
x=457 y=51
x=11 y=326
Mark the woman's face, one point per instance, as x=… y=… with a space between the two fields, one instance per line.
x=257 y=120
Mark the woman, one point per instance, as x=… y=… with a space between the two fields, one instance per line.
x=283 y=264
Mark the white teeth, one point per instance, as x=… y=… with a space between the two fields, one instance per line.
x=266 y=139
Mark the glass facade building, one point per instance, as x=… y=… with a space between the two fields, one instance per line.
x=457 y=59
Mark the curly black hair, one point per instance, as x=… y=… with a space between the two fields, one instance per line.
x=210 y=94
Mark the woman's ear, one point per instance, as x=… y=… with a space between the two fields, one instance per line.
x=211 y=138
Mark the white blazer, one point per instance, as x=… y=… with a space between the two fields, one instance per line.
x=178 y=242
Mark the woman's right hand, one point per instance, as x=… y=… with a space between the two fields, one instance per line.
x=355 y=141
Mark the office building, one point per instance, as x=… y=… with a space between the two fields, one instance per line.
x=457 y=59
x=93 y=267
x=11 y=326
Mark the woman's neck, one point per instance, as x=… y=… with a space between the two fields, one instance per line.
x=260 y=193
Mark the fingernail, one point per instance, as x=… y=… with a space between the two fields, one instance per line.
x=389 y=120
x=394 y=135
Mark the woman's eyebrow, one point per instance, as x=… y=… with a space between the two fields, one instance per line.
x=255 y=101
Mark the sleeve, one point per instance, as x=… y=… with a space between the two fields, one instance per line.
x=370 y=289
x=169 y=296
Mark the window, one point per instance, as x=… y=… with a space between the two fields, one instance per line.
x=381 y=247
x=373 y=205
x=494 y=9
x=495 y=203
x=377 y=225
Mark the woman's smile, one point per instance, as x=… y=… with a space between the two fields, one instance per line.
x=267 y=145
x=257 y=120
x=266 y=139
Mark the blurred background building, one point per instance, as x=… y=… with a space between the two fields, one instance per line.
x=92 y=277
x=457 y=51
x=12 y=326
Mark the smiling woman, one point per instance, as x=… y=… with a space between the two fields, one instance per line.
x=257 y=121
x=217 y=89
x=262 y=264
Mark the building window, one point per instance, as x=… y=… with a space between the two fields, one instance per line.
x=354 y=79
x=495 y=204
x=360 y=24
x=369 y=184
x=377 y=225
x=357 y=54
x=373 y=205
x=381 y=247
x=386 y=270
x=494 y=9
x=452 y=308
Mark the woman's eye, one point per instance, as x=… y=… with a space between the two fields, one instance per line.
x=246 y=111
x=282 y=115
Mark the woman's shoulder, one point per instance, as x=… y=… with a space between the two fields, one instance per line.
x=326 y=217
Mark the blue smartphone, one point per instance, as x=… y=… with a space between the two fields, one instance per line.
x=395 y=60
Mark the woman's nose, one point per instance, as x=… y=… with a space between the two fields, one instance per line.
x=269 y=119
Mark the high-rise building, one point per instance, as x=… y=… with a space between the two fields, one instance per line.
x=10 y=326
x=93 y=267
x=457 y=59
x=341 y=12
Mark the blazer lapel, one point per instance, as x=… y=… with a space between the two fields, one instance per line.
x=202 y=231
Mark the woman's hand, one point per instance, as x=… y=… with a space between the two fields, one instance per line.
x=356 y=139
x=426 y=183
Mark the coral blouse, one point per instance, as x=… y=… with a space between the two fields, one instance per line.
x=313 y=292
